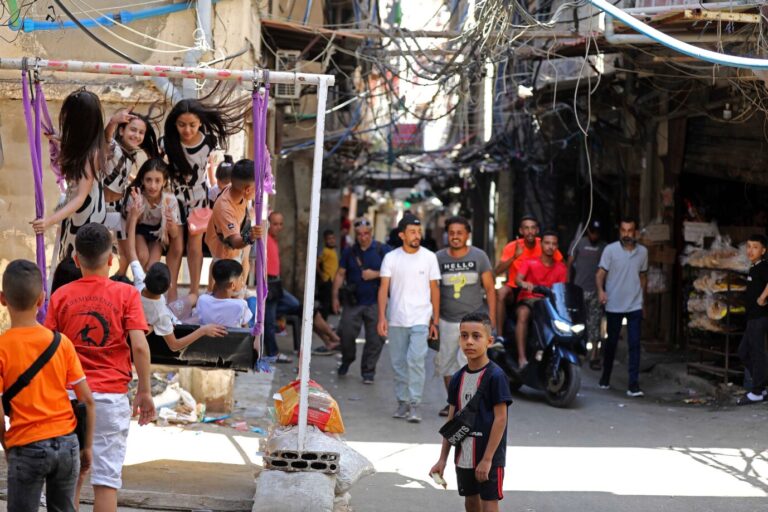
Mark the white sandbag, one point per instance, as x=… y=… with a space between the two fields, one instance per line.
x=342 y=503
x=168 y=398
x=302 y=491
x=352 y=465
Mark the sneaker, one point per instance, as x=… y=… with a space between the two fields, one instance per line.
x=444 y=411
x=402 y=410
x=751 y=398
x=368 y=379
x=413 y=415
x=604 y=383
x=343 y=369
x=325 y=351
x=283 y=359
x=635 y=392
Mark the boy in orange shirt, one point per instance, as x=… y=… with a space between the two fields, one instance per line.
x=99 y=315
x=41 y=445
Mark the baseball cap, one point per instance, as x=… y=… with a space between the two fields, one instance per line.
x=594 y=225
x=408 y=220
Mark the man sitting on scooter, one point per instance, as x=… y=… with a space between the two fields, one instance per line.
x=542 y=271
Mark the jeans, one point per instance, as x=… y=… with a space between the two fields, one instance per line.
x=285 y=305
x=634 y=321
x=408 y=351
x=352 y=318
x=54 y=462
x=752 y=352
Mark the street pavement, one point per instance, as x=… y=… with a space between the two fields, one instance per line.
x=608 y=453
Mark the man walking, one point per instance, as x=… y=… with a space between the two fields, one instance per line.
x=410 y=275
x=327 y=266
x=582 y=269
x=359 y=267
x=621 y=281
x=465 y=286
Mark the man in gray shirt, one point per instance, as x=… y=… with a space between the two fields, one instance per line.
x=466 y=281
x=582 y=268
x=625 y=264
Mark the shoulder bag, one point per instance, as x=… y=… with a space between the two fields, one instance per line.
x=458 y=428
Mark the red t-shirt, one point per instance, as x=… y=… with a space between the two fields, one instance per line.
x=273 y=257
x=536 y=272
x=535 y=253
x=96 y=313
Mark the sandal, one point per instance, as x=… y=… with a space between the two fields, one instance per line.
x=283 y=359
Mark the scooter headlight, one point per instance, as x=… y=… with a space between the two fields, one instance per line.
x=562 y=326
x=578 y=328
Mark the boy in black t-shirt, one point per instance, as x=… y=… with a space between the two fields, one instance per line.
x=752 y=347
x=481 y=456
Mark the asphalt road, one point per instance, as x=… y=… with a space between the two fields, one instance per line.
x=608 y=453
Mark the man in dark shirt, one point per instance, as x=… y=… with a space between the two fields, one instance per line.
x=359 y=268
x=752 y=347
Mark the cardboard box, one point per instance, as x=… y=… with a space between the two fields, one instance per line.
x=657 y=233
x=695 y=232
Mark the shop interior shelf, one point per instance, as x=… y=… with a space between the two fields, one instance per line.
x=712 y=350
x=714 y=370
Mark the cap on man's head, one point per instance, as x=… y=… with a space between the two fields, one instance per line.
x=594 y=226
x=408 y=220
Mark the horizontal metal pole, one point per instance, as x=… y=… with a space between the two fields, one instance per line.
x=149 y=70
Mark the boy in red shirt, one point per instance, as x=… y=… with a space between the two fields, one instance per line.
x=543 y=271
x=512 y=256
x=98 y=315
x=40 y=446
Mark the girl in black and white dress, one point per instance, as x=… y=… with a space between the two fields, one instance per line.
x=132 y=140
x=82 y=162
x=192 y=131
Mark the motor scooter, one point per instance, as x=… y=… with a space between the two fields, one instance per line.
x=556 y=338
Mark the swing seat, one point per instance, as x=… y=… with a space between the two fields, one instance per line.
x=233 y=351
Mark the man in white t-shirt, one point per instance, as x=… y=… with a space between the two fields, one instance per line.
x=410 y=275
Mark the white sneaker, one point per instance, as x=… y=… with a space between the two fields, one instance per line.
x=413 y=415
x=402 y=410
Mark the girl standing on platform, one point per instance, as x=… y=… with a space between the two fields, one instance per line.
x=82 y=161
x=132 y=140
x=159 y=223
x=192 y=130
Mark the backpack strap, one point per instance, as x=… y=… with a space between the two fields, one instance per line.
x=30 y=373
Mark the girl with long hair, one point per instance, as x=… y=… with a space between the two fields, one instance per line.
x=132 y=140
x=82 y=160
x=159 y=223
x=193 y=129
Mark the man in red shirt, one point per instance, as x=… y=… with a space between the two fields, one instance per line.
x=542 y=271
x=279 y=302
x=514 y=254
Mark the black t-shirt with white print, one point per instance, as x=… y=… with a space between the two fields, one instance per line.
x=462 y=388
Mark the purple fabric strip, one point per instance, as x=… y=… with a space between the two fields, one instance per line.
x=34 y=135
x=264 y=183
x=53 y=148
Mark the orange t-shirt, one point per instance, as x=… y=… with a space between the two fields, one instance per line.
x=273 y=257
x=226 y=220
x=509 y=251
x=41 y=410
x=96 y=313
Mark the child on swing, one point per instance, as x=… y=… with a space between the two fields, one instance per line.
x=82 y=160
x=131 y=139
x=159 y=224
x=192 y=131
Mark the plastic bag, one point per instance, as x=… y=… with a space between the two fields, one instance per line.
x=323 y=410
x=352 y=465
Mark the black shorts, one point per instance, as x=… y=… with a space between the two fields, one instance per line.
x=491 y=490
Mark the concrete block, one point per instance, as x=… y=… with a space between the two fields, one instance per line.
x=215 y=388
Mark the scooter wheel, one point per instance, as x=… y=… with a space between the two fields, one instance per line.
x=561 y=390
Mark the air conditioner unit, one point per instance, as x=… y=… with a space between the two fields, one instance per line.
x=287 y=60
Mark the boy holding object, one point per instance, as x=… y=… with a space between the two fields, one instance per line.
x=40 y=446
x=481 y=456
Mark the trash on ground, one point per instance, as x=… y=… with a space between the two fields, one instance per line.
x=323 y=410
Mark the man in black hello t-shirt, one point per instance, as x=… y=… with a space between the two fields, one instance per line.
x=752 y=347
